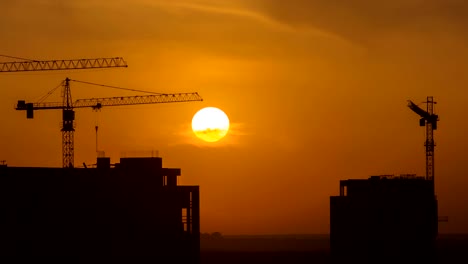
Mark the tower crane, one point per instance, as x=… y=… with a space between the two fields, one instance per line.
x=68 y=114
x=428 y=119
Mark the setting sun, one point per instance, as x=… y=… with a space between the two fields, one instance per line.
x=210 y=124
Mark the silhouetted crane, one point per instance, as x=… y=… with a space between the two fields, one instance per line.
x=54 y=65
x=428 y=119
x=67 y=106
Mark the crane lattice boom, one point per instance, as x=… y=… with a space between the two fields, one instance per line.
x=51 y=65
x=97 y=103
x=138 y=99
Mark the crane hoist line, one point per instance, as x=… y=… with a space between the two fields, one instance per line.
x=68 y=105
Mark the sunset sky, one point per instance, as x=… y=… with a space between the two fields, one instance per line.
x=316 y=92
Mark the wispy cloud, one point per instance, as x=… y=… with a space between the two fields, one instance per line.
x=247 y=13
x=362 y=20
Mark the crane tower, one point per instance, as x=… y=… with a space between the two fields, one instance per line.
x=428 y=119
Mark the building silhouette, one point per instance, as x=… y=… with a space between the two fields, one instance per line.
x=384 y=218
x=130 y=209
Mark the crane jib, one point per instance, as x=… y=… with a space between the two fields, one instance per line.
x=52 y=65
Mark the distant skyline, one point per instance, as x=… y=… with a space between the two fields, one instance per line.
x=315 y=91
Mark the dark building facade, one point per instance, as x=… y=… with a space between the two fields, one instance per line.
x=131 y=209
x=384 y=218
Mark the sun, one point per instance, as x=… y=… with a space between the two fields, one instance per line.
x=210 y=124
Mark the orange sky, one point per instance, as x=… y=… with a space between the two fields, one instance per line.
x=316 y=92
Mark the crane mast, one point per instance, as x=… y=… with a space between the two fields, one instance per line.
x=428 y=119
x=431 y=125
x=68 y=126
x=68 y=113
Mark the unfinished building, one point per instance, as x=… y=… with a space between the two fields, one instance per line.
x=384 y=218
x=132 y=208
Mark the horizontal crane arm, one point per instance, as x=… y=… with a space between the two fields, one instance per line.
x=97 y=103
x=51 y=65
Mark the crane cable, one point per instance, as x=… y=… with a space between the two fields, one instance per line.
x=49 y=93
x=17 y=58
x=120 y=88
x=40 y=100
x=96 y=127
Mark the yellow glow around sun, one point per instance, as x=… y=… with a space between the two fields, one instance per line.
x=210 y=124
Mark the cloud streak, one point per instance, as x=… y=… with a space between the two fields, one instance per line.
x=250 y=14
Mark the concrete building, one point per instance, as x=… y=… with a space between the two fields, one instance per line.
x=384 y=218
x=132 y=208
